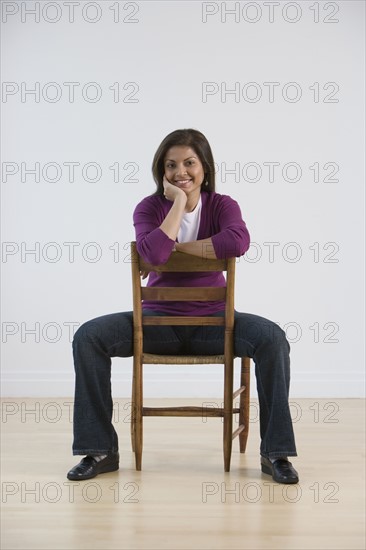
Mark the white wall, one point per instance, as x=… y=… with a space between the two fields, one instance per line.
x=162 y=55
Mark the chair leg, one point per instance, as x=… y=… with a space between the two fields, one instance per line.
x=137 y=412
x=133 y=417
x=228 y=414
x=244 y=403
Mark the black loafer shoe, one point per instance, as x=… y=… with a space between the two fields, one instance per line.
x=88 y=467
x=281 y=470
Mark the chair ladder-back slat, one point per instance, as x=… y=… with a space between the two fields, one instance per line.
x=184 y=294
x=182 y=321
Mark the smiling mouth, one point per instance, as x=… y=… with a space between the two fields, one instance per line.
x=182 y=182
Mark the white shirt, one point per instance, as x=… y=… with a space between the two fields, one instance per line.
x=189 y=226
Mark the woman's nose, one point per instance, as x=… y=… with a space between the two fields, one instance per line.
x=181 y=171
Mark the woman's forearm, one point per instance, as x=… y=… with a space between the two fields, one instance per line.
x=203 y=248
x=172 y=222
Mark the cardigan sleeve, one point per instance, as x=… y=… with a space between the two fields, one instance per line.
x=152 y=243
x=232 y=237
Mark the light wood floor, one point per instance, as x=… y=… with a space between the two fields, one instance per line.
x=182 y=499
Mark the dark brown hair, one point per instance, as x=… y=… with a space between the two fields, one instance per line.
x=188 y=138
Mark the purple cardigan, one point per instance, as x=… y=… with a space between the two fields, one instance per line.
x=220 y=219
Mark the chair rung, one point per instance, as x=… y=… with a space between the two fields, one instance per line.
x=238 y=431
x=181 y=411
x=152 y=359
x=238 y=392
x=185 y=411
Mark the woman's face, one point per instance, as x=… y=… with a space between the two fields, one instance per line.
x=184 y=169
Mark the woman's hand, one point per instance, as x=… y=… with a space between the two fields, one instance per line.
x=171 y=192
x=172 y=221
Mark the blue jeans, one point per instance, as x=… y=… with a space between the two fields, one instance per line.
x=100 y=339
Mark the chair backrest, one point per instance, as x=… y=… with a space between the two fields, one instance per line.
x=180 y=262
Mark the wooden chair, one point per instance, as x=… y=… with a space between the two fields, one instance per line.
x=179 y=262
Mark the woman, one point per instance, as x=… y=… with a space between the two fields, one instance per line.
x=185 y=214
